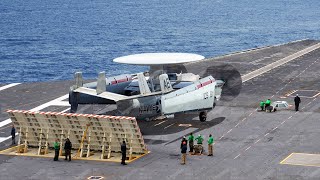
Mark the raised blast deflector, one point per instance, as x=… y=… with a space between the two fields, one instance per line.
x=197 y=96
x=94 y=136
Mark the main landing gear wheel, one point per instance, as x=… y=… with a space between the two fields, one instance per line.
x=203 y=116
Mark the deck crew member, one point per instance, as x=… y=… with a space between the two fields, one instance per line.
x=184 y=139
x=124 y=152
x=67 y=149
x=191 y=139
x=262 y=104
x=56 y=146
x=199 y=140
x=210 y=145
x=267 y=104
x=297 y=101
x=184 y=152
x=13 y=135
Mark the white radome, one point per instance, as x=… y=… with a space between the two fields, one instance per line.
x=158 y=58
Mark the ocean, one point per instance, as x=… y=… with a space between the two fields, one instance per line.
x=50 y=40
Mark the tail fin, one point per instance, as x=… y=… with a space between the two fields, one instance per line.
x=143 y=85
x=101 y=83
x=78 y=79
x=165 y=84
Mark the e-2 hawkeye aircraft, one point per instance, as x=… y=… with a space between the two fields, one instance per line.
x=151 y=94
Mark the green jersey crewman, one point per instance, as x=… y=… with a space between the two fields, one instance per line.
x=262 y=105
x=199 y=139
x=56 y=146
x=199 y=147
x=191 y=140
x=267 y=104
x=210 y=145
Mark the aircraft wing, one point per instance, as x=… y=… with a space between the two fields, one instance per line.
x=106 y=95
x=195 y=97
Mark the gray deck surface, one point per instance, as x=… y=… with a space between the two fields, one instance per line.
x=249 y=144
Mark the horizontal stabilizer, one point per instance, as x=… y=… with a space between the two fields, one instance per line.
x=106 y=95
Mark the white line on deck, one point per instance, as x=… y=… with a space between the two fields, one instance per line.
x=6 y=138
x=66 y=110
x=257 y=141
x=290 y=117
x=278 y=63
x=221 y=137
x=283 y=122
x=266 y=134
x=169 y=126
x=237 y=156
x=8 y=86
x=229 y=131
x=237 y=124
x=308 y=103
x=274 y=128
x=250 y=114
x=244 y=119
x=303 y=107
x=248 y=148
x=159 y=123
x=314 y=99
x=38 y=108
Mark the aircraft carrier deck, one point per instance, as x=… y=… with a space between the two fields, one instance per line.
x=249 y=144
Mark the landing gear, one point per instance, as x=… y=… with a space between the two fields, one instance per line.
x=203 y=116
x=73 y=101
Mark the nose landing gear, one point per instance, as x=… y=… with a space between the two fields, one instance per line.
x=203 y=116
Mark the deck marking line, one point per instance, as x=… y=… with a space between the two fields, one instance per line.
x=8 y=86
x=290 y=117
x=38 y=108
x=237 y=156
x=257 y=141
x=169 y=125
x=286 y=158
x=221 y=137
x=248 y=148
x=280 y=62
x=159 y=123
x=266 y=134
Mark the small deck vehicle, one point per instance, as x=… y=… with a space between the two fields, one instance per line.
x=278 y=105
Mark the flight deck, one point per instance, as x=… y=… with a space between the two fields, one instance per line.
x=249 y=144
